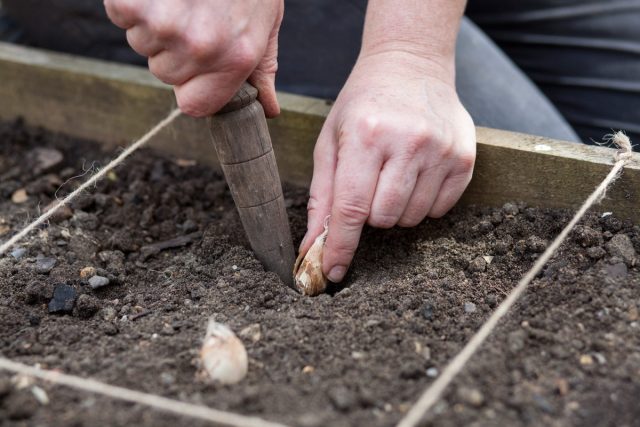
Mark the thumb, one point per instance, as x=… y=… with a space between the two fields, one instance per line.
x=264 y=77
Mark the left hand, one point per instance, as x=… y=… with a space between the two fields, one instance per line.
x=396 y=147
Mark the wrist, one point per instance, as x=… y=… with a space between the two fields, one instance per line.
x=407 y=61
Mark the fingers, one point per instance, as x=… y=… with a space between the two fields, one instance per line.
x=357 y=173
x=125 y=13
x=142 y=41
x=205 y=94
x=264 y=76
x=453 y=186
x=460 y=171
x=321 y=191
x=422 y=198
x=170 y=68
x=266 y=85
x=395 y=184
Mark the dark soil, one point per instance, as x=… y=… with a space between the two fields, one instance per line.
x=568 y=353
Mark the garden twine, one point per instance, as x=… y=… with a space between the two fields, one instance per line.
x=120 y=393
x=431 y=395
x=94 y=179
x=428 y=398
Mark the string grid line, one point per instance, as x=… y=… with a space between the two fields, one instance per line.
x=431 y=395
x=93 y=180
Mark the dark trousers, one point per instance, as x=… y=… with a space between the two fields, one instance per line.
x=567 y=69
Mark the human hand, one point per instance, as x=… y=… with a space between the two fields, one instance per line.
x=206 y=49
x=396 y=147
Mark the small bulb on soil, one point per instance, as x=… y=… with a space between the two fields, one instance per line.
x=307 y=271
x=223 y=355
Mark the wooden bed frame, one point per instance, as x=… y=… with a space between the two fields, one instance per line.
x=113 y=104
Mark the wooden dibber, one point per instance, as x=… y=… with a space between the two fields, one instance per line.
x=241 y=137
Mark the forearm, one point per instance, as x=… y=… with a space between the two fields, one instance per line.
x=426 y=29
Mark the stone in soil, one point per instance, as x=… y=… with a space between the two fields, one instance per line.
x=45 y=264
x=380 y=313
x=478 y=265
x=97 y=282
x=621 y=246
x=18 y=253
x=64 y=298
x=469 y=307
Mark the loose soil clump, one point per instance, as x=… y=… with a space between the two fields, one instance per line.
x=119 y=287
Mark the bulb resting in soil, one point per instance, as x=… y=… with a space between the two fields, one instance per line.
x=223 y=355
x=307 y=271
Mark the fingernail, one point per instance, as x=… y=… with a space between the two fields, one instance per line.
x=337 y=273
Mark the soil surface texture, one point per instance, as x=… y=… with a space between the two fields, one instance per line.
x=119 y=287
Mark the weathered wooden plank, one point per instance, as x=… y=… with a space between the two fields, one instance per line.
x=545 y=172
x=113 y=104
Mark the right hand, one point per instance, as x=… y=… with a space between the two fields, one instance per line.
x=206 y=49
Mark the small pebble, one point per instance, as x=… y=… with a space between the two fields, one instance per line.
x=64 y=298
x=251 y=332
x=477 y=265
x=97 y=282
x=19 y=196
x=46 y=158
x=510 y=209
x=40 y=395
x=87 y=272
x=616 y=271
x=469 y=307
x=108 y=314
x=491 y=300
x=586 y=360
x=18 y=253
x=621 y=246
x=535 y=244
x=432 y=372
x=45 y=264
x=342 y=398
x=471 y=396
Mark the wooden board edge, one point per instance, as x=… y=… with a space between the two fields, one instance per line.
x=113 y=104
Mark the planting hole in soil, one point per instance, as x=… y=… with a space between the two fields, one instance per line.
x=121 y=284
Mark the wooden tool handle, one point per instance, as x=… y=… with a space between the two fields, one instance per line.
x=241 y=138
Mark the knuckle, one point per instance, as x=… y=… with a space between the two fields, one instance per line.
x=352 y=212
x=368 y=128
x=379 y=220
x=163 y=28
x=245 y=56
x=340 y=250
x=125 y=7
x=190 y=106
x=159 y=70
x=420 y=139
x=201 y=44
x=313 y=204
x=466 y=161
